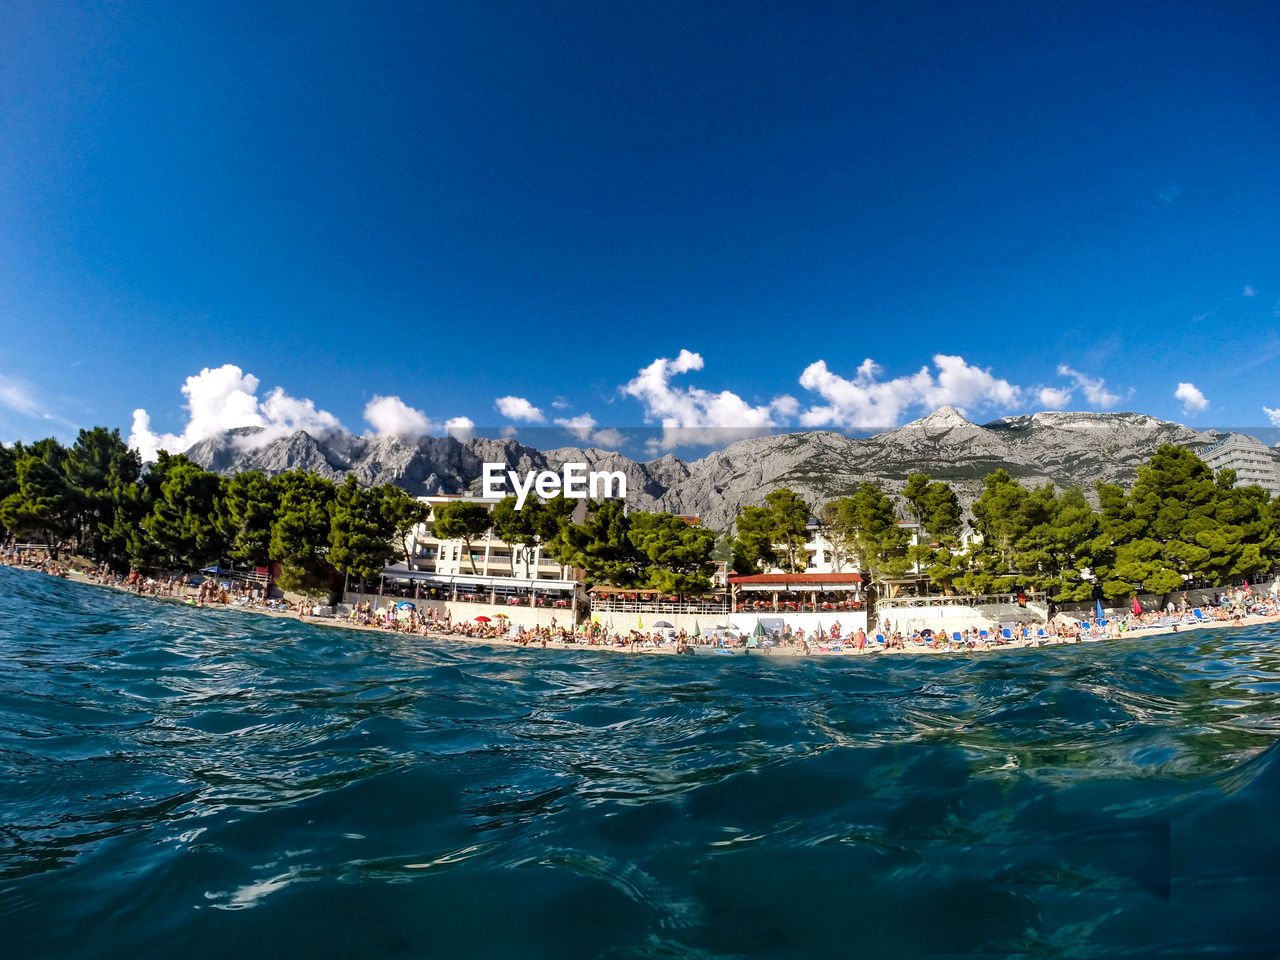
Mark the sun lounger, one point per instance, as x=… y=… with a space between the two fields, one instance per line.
x=956 y=636
x=1007 y=633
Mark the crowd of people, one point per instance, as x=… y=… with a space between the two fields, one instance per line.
x=1231 y=606
x=31 y=559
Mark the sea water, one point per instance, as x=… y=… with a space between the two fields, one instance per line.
x=177 y=782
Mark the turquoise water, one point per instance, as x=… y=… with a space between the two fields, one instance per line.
x=188 y=783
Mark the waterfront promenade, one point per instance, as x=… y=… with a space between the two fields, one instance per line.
x=1237 y=609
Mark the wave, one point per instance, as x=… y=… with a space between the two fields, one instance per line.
x=217 y=783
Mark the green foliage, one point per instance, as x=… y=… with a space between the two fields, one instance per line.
x=182 y=520
x=773 y=534
x=1179 y=522
x=915 y=494
x=360 y=530
x=601 y=546
x=753 y=548
x=8 y=471
x=300 y=532
x=678 y=553
x=404 y=513
x=126 y=542
x=246 y=513
x=517 y=527
x=871 y=520
x=42 y=505
x=942 y=515
x=839 y=533
x=95 y=464
x=552 y=521
x=463 y=520
x=790 y=515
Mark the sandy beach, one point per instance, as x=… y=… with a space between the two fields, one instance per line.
x=669 y=649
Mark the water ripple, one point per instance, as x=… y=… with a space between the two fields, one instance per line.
x=218 y=782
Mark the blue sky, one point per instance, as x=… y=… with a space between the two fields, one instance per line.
x=709 y=216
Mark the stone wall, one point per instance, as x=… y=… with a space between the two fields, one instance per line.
x=522 y=615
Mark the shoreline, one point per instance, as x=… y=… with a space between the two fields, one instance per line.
x=669 y=650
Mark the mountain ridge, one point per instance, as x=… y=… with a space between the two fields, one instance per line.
x=1061 y=448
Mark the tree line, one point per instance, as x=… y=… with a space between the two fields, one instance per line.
x=1179 y=523
x=176 y=515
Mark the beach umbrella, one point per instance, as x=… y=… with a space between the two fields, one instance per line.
x=502 y=616
x=482 y=619
x=697 y=630
x=1137 y=607
x=405 y=605
x=1100 y=614
x=663 y=623
x=759 y=630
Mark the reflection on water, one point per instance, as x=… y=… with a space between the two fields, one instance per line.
x=200 y=783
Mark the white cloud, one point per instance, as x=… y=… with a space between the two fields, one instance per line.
x=508 y=432
x=223 y=398
x=559 y=403
x=868 y=402
x=1094 y=388
x=580 y=426
x=608 y=438
x=1249 y=291
x=19 y=398
x=1193 y=401
x=691 y=415
x=1052 y=398
x=518 y=408
x=1273 y=415
x=460 y=428
x=964 y=386
x=392 y=417
x=286 y=414
x=583 y=426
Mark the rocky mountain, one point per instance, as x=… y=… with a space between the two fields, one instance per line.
x=1062 y=448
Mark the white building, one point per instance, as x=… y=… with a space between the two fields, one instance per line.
x=490 y=578
x=488 y=556
x=1250 y=458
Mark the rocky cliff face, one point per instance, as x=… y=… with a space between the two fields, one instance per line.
x=1061 y=448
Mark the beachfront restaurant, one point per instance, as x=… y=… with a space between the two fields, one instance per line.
x=808 y=600
x=638 y=609
x=523 y=601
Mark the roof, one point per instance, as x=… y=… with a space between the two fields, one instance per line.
x=796 y=579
